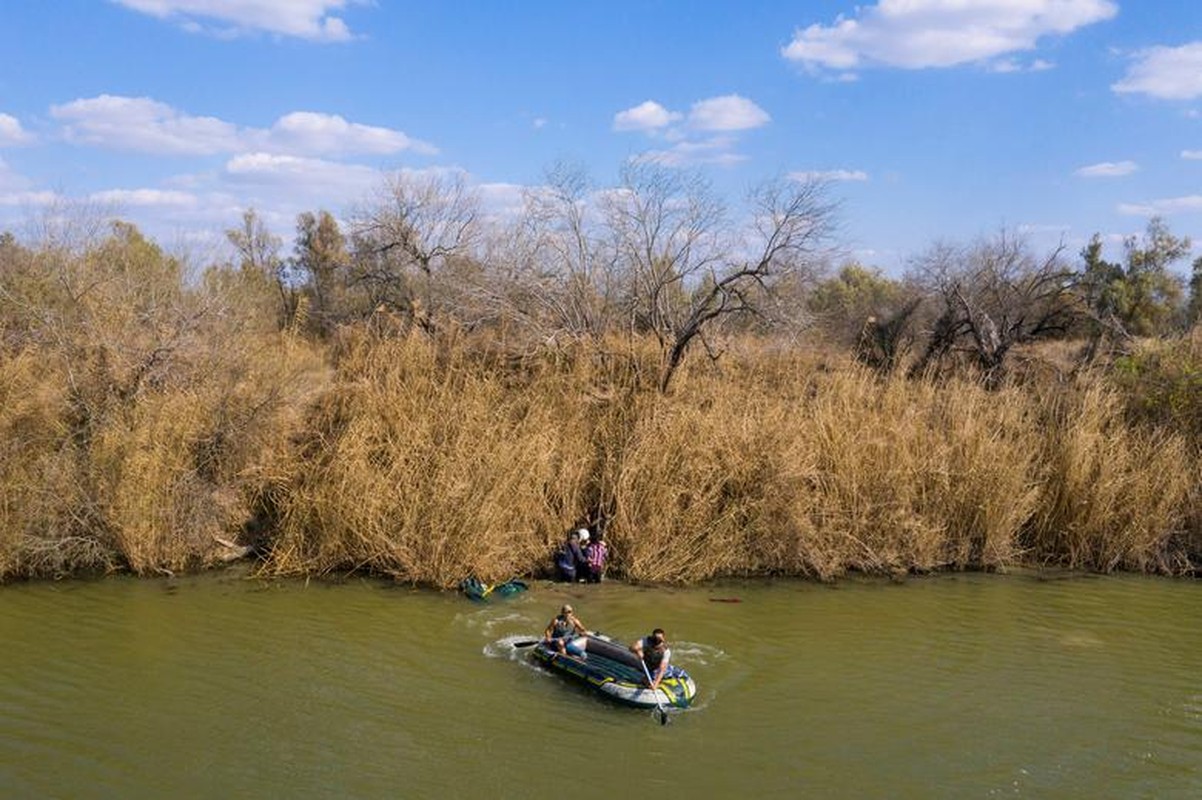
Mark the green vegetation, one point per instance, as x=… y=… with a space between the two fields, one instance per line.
x=428 y=398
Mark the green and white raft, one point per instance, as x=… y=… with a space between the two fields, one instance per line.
x=611 y=669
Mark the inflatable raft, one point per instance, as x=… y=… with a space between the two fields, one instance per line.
x=610 y=668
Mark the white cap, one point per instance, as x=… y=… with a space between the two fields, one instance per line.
x=583 y=534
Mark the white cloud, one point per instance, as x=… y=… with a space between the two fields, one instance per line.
x=278 y=186
x=143 y=197
x=312 y=133
x=11 y=132
x=502 y=201
x=1164 y=207
x=727 y=113
x=297 y=174
x=916 y=34
x=1007 y=65
x=1107 y=169
x=830 y=175
x=717 y=150
x=42 y=198
x=303 y=19
x=1042 y=228
x=145 y=125
x=1192 y=155
x=692 y=140
x=1167 y=73
x=646 y=116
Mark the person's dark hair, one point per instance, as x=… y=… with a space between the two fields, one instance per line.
x=658 y=635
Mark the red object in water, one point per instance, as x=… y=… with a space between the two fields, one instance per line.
x=725 y=600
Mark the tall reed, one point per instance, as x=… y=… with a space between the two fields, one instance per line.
x=429 y=461
x=729 y=477
x=425 y=465
x=1112 y=495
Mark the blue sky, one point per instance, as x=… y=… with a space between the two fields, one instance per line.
x=933 y=119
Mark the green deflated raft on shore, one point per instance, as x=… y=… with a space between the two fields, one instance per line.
x=611 y=669
x=477 y=590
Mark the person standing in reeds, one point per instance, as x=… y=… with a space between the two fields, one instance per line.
x=595 y=555
x=570 y=563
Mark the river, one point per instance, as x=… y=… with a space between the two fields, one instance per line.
x=956 y=686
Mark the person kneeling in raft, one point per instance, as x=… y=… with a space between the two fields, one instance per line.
x=567 y=633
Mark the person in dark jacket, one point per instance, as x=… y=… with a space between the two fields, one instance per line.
x=570 y=562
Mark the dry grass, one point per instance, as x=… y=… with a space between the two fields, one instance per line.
x=139 y=418
x=700 y=485
x=1113 y=496
x=916 y=476
x=44 y=512
x=149 y=485
x=180 y=472
x=424 y=465
x=143 y=422
x=428 y=464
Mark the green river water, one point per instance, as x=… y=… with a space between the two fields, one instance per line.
x=960 y=686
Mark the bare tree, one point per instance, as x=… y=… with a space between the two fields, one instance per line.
x=993 y=296
x=688 y=269
x=415 y=227
x=668 y=230
x=569 y=263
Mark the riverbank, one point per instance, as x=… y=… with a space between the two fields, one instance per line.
x=156 y=417
x=427 y=462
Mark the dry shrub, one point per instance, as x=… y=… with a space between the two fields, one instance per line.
x=1161 y=383
x=44 y=513
x=1113 y=495
x=178 y=474
x=139 y=416
x=1191 y=540
x=424 y=465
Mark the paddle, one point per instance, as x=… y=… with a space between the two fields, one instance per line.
x=663 y=715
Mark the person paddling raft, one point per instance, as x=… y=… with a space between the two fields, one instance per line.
x=567 y=633
x=654 y=652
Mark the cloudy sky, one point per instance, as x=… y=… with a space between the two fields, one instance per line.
x=933 y=119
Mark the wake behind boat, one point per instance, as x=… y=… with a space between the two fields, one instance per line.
x=611 y=669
